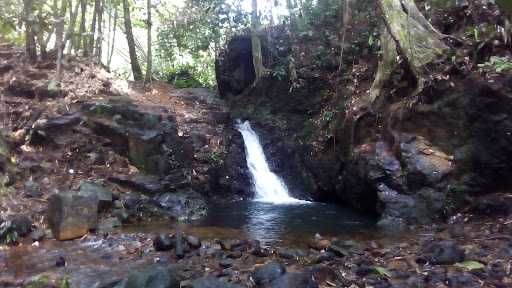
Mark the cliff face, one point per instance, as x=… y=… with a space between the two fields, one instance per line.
x=409 y=159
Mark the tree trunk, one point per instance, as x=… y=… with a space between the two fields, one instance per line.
x=59 y=34
x=408 y=33
x=137 y=72
x=30 y=41
x=109 y=60
x=70 y=33
x=257 y=58
x=92 y=33
x=82 y=39
x=99 y=41
x=149 y=67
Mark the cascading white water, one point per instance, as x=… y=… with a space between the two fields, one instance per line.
x=268 y=186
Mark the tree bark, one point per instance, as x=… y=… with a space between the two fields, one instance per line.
x=59 y=20
x=30 y=41
x=99 y=41
x=149 y=67
x=92 y=32
x=257 y=58
x=137 y=72
x=109 y=60
x=406 y=33
x=82 y=39
x=70 y=33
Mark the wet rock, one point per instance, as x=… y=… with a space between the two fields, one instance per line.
x=122 y=215
x=152 y=277
x=290 y=253
x=230 y=244
x=445 y=252
x=71 y=216
x=179 y=245
x=38 y=234
x=185 y=204
x=31 y=190
x=210 y=282
x=193 y=241
x=96 y=191
x=295 y=280
x=108 y=224
x=22 y=225
x=324 y=257
x=163 y=243
x=267 y=273
x=226 y=263
x=320 y=244
x=338 y=251
x=61 y=262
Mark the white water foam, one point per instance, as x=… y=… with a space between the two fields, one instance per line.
x=267 y=185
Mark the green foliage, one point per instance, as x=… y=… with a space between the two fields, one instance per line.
x=470 y=265
x=39 y=282
x=280 y=70
x=8 y=234
x=381 y=271
x=327 y=115
x=497 y=64
x=191 y=36
x=186 y=76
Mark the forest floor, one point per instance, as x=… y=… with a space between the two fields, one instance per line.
x=471 y=250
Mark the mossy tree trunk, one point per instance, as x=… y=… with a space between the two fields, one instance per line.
x=407 y=33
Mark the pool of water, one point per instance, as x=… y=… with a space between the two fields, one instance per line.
x=287 y=223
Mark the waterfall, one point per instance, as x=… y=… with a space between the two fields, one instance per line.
x=267 y=185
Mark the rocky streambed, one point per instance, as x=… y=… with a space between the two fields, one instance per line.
x=465 y=253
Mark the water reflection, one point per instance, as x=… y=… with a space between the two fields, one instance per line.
x=272 y=224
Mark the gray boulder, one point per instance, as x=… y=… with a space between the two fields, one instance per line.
x=71 y=215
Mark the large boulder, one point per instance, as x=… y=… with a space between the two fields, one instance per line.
x=71 y=215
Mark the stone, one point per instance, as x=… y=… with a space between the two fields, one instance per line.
x=295 y=280
x=96 y=191
x=267 y=273
x=145 y=184
x=179 y=245
x=193 y=241
x=61 y=262
x=184 y=205
x=58 y=123
x=37 y=234
x=108 y=224
x=31 y=190
x=71 y=216
x=151 y=277
x=290 y=253
x=320 y=244
x=122 y=215
x=163 y=243
x=211 y=282
x=338 y=251
x=445 y=252
x=22 y=225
